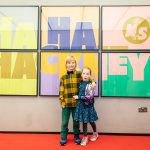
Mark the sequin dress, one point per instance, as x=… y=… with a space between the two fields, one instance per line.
x=85 y=111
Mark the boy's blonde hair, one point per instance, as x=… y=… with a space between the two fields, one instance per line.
x=88 y=68
x=70 y=58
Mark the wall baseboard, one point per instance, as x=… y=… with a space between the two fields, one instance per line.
x=101 y=133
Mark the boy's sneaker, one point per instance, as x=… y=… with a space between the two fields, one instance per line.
x=63 y=141
x=77 y=139
x=94 y=136
x=84 y=141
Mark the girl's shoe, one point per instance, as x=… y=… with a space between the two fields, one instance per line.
x=84 y=141
x=94 y=137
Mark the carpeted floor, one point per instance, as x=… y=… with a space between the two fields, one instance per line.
x=51 y=142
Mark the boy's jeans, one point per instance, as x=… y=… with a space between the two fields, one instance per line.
x=65 y=120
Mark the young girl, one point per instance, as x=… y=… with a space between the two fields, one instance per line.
x=85 y=111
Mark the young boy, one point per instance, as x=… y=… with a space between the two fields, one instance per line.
x=69 y=86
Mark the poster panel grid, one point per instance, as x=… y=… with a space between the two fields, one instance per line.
x=125 y=74
x=70 y=28
x=125 y=27
x=52 y=67
x=18 y=73
x=19 y=28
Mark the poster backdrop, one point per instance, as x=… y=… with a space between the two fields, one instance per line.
x=53 y=67
x=70 y=27
x=18 y=27
x=126 y=74
x=126 y=27
x=18 y=73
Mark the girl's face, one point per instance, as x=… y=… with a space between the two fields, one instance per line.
x=71 y=65
x=86 y=74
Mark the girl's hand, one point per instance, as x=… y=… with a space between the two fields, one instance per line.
x=75 y=96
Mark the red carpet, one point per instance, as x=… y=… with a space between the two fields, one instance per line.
x=51 y=142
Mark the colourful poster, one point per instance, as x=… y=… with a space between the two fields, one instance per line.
x=70 y=27
x=53 y=67
x=126 y=74
x=18 y=27
x=18 y=73
x=126 y=28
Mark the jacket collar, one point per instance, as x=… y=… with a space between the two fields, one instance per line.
x=70 y=72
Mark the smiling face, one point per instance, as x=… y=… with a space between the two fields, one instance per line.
x=71 y=65
x=86 y=73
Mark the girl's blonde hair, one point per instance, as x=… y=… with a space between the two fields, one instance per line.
x=88 y=68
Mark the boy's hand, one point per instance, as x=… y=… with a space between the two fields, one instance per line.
x=75 y=96
x=63 y=105
x=93 y=85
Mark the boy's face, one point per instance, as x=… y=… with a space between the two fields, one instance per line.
x=71 y=65
x=86 y=74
